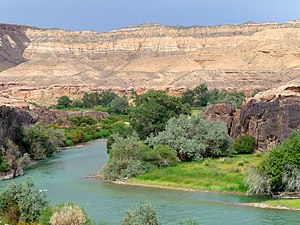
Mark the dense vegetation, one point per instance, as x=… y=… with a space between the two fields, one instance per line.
x=129 y=157
x=22 y=202
x=202 y=97
x=152 y=112
x=193 y=138
x=280 y=171
x=244 y=144
x=99 y=101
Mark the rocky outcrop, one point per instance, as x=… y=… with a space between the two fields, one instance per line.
x=11 y=120
x=13 y=42
x=233 y=57
x=62 y=117
x=270 y=122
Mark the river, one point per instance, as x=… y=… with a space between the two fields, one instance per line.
x=62 y=175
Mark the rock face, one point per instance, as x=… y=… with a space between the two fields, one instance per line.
x=269 y=122
x=11 y=119
x=235 y=57
x=13 y=42
x=61 y=117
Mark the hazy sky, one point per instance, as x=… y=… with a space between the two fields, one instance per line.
x=106 y=15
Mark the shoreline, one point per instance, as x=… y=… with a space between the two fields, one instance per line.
x=250 y=204
x=172 y=188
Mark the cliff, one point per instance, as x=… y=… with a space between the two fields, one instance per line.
x=270 y=116
x=244 y=57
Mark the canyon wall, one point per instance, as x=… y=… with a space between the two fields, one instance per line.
x=52 y=62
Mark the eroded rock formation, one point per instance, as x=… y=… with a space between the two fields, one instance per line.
x=233 y=57
x=270 y=122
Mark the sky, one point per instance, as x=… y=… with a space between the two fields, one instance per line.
x=107 y=15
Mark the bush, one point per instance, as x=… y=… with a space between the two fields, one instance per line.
x=244 y=144
x=4 y=164
x=123 y=160
x=77 y=104
x=258 y=183
x=139 y=214
x=83 y=120
x=41 y=140
x=69 y=214
x=160 y=156
x=281 y=167
x=119 y=105
x=22 y=202
x=64 y=102
x=194 y=138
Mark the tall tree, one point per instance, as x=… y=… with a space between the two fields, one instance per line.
x=153 y=110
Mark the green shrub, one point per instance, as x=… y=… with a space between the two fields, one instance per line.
x=194 y=138
x=276 y=167
x=119 y=105
x=103 y=133
x=123 y=160
x=160 y=156
x=41 y=140
x=63 y=102
x=83 y=120
x=77 y=104
x=46 y=216
x=23 y=202
x=244 y=144
x=139 y=214
x=4 y=164
x=69 y=142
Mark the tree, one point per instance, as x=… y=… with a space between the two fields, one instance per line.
x=64 y=102
x=22 y=202
x=141 y=214
x=119 y=105
x=107 y=97
x=188 y=97
x=77 y=104
x=152 y=112
x=194 y=138
x=124 y=160
x=90 y=100
x=201 y=95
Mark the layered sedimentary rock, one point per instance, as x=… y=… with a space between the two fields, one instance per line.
x=233 y=57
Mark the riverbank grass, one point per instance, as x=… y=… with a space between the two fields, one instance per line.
x=222 y=174
x=293 y=204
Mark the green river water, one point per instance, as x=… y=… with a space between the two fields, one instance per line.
x=63 y=177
